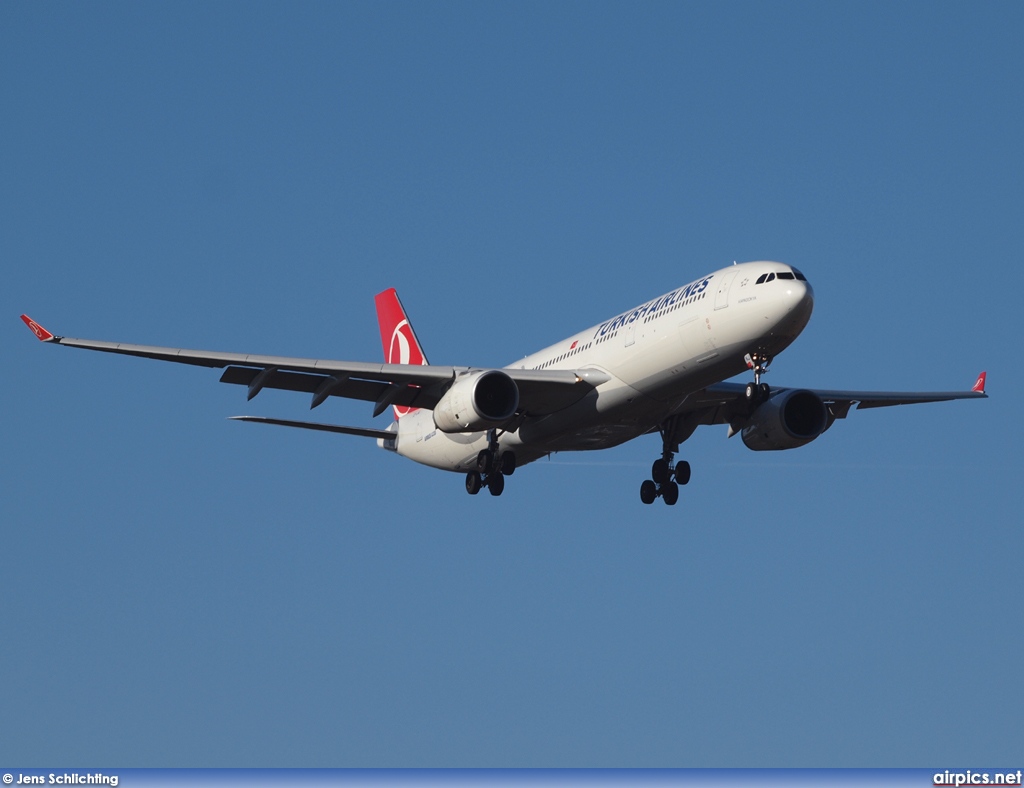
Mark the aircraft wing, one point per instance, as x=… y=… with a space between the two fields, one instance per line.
x=410 y=385
x=725 y=403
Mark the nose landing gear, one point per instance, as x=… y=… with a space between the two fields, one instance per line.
x=757 y=392
x=491 y=468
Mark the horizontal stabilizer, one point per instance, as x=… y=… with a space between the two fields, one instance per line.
x=309 y=425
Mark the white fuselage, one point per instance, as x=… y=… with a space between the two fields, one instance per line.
x=656 y=356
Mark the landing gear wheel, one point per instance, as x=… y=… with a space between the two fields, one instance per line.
x=757 y=392
x=666 y=474
x=491 y=467
x=485 y=461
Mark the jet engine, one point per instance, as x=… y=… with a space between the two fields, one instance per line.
x=787 y=421
x=477 y=401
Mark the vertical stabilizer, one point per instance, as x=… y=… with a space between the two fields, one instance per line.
x=397 y=337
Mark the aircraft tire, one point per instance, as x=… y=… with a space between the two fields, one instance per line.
x=648 y=491
x=473 y=483
x=485 y=461
x=682 y=472
x=660 y=471
x=508 y=463
x=670 y=492
x=496 y=484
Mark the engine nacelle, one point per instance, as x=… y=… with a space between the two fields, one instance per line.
x=786 y=421
x=477 y=401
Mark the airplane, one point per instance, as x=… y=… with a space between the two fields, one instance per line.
x=661 y=367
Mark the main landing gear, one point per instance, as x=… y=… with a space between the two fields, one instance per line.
x=666 y=478
x=491 y=468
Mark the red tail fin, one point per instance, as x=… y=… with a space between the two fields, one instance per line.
x=980 y=385
x=399 y=341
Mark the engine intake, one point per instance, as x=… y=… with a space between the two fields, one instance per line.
x=477 y=401
x=787 y=421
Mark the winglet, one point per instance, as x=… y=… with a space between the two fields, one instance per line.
x=37 y=329
x=979 y=385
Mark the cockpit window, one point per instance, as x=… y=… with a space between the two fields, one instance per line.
x=786 y=275
x=799 y=275
x=771 y=278
x=760 y=279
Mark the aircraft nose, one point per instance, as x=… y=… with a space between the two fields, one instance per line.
x=802 y=291
x=800 y=296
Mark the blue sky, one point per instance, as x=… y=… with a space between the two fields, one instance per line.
x=181 y=590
